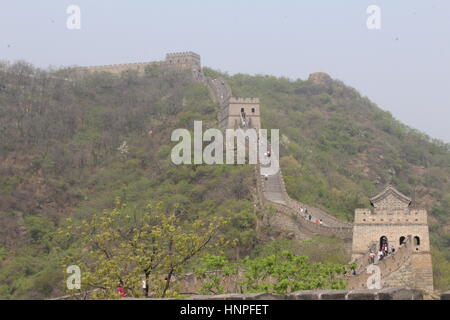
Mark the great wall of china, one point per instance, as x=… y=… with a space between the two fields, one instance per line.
x=409 y=267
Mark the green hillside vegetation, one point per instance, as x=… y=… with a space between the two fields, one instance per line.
x=71 y=148
x=60 y=158
x=339 y=148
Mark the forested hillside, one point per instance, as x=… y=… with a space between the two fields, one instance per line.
x=70 y=147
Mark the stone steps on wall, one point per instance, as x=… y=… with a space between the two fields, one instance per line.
x=273 y=188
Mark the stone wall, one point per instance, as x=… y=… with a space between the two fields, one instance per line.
x=118 y=68
x=387 y=267
x=291 y=209
x=384 y=294
x=421 y=265
x=315 y=229
x=445 y=296
x=178 y=61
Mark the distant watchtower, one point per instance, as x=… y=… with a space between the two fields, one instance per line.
x=241 y=113
x=186 y=61
x=392 y=221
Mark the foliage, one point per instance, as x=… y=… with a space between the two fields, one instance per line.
x=119 y=247
x=282 y=272
x=285 y=272
x=441 y=271
x=212 y=270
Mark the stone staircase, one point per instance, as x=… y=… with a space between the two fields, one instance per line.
x=273 y=189
x=393 y=268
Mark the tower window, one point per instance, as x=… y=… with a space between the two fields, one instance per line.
x=242 y=110
x=402 y=240
x=416 y=241
x=253 y=110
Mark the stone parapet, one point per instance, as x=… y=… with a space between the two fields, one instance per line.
x=384 y=294
x=387 y=266
x=445 y=296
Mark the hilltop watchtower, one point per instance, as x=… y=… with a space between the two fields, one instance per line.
x=391 y=222
x=186 y=61
x=241 y=113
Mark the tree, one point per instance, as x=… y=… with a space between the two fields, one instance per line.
x=118 y=247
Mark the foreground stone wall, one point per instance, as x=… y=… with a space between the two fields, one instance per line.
x=384 y=294
x=445 y=296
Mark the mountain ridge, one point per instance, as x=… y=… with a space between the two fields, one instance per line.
x=336 y=145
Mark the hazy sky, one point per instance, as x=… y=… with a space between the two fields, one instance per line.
x=404 y=67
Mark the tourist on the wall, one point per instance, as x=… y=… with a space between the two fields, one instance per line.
x=121 y=290
x=372 y=256
x=380 y=255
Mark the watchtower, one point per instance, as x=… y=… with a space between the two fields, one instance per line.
x=390 y=222
x=186 y=61
x=241 y=113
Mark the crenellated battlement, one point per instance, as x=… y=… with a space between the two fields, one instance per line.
x=176 y=61
x=237 y=100
x=186 y=54
x=121 y=65
x=117 y=68
x=391 y=217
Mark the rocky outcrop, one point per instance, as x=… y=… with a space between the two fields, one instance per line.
x=320 y=78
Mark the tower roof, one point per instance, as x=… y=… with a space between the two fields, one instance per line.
x=390 y=190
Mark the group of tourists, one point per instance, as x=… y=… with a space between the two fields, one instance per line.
x=381 y=254
x=123 y=294
x=307 y=216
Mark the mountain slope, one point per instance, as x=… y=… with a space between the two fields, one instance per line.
x=69 y=148
x=339 y=148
